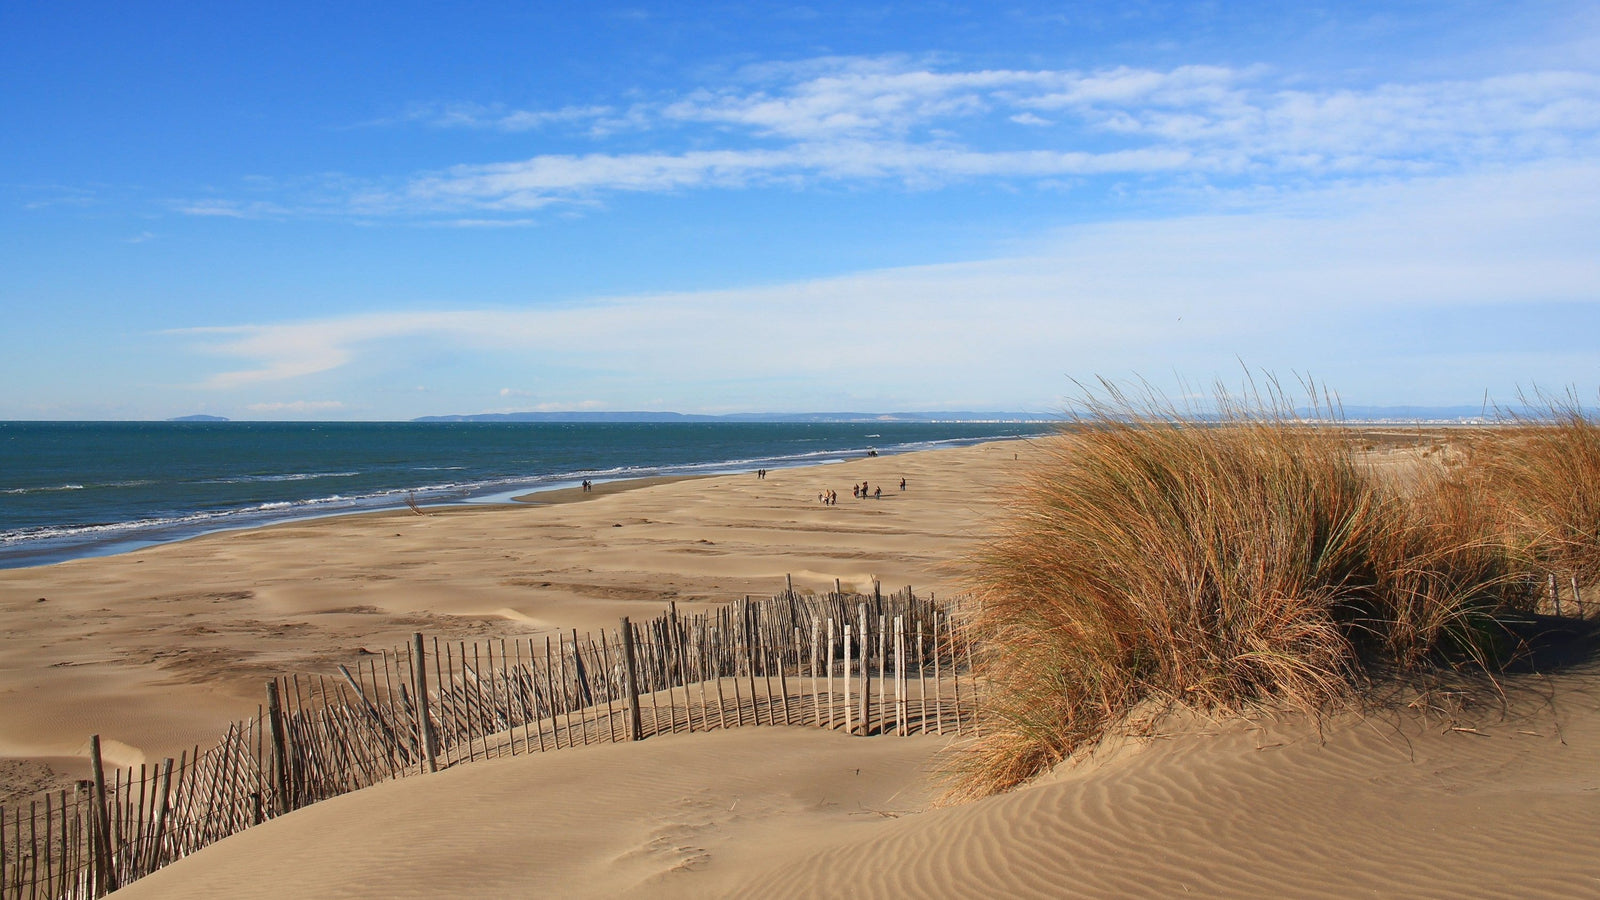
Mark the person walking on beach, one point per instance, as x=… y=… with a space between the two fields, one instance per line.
x=902 y=483
x=877 y=493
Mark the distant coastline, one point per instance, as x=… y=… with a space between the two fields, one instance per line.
x=831 y=418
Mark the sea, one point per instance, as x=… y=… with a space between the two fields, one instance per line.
x=77 y=489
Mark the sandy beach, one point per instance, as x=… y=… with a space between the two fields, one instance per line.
x=156 y=650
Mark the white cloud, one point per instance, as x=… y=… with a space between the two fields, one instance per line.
x=844 y=120
x=543 y=180
x=1187 y=294
x=496 y=116
x=232 y=209
x=486 y=223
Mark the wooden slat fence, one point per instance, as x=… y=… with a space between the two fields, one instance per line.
x=865 y=664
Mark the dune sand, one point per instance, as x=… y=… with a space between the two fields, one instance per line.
x=1410 y=804
x=163 y=645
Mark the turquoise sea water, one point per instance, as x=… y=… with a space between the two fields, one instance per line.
x=71 y=489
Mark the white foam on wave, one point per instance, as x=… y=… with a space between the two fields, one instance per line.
x=43 y=490
x=293 y=476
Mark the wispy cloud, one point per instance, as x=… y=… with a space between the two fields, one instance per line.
x=877 y=120
x=498 y=117
x=233 y=209
x=1189 y=294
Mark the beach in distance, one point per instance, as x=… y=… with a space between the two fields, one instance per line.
x=157 y=649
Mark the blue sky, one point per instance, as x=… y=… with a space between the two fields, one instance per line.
x=381 y=211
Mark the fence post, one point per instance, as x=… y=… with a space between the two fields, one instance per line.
x=280 y=749
x=900 y=699
x=102 y=813
x=866 y=667
x=430 y=741
x=635 y=726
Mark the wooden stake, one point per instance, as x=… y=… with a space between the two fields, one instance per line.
x=533 y=679
x=280 y=753
x=972 y=676
x=738 y=701
x=722 y=705
x=750 y=668
x=425 y=736
x=816 y=698
x=830 y=674
x=471 y=710
x=631 y=683
x=900 y=677
x=938 y=678
x=108 y=875
x=955 y=666
x=504 y=676
x=922 y=685
x=163 y=803
x=882 y=660
x=864 y=666
x=847 y=710
x=584 y=697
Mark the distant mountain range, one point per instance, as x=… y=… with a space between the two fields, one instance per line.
x=839 y=417
x=198 y=418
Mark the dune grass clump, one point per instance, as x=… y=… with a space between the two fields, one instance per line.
x=1217 y=565
x=1544 y=478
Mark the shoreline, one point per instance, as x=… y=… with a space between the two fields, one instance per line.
x=555 y=496
x=112 y=538
x=158 y=648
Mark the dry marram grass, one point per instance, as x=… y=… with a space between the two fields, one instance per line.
x=1543 y=477
x=1218 y=565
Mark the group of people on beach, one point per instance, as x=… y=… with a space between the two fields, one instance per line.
x=859 y=491
x=588 y=485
